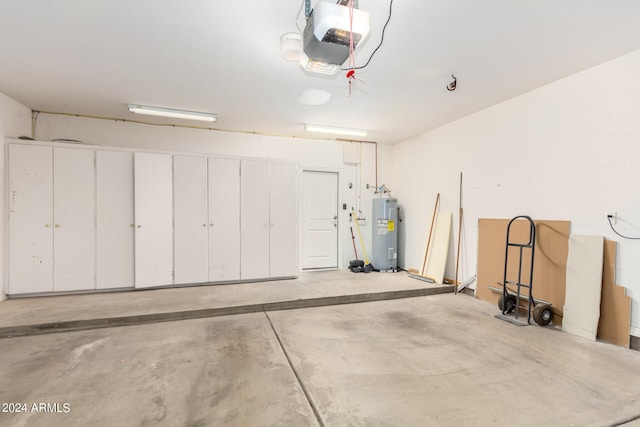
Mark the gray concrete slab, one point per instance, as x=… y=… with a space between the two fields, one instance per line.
x=75 y=312
x=210 y=372
x=441 y=360
x=445 y=360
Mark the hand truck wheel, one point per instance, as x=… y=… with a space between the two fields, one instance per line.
x=510 y=304
x=542 y=314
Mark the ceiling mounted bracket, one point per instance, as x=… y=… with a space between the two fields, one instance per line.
x=307 y=6
x=346 y=3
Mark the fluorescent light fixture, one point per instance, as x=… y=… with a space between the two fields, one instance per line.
x=170 y=112
x=334 y=130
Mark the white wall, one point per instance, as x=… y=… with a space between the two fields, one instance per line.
x=310 y=154
x=569 y=150
x=15 y=121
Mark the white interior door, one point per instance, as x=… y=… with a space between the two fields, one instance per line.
x=319 y=220
x=154 y=220
x=283 y=237
x=74 y=219
x=30 y=219
x=191 y=236
x=114 y=219
x=224 y=219
x=254 y=219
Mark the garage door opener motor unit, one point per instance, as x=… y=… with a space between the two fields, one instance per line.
x=328 y=33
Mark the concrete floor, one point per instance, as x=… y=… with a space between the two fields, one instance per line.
x=440 y=360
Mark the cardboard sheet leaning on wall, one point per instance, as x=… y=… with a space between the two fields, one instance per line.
x=615 y=306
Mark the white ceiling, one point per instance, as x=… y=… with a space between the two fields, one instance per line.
x=95 y=57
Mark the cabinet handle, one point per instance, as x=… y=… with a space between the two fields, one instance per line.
x=210 y=225
x=57 y=226
x=47 y=225
x=131 y=225
x=204 y=225
x=139 y=226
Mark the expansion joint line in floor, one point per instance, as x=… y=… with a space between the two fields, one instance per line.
x=295 y=373
x=626 y=421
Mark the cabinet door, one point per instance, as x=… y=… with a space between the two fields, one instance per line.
x=283 y=226
x=30 y=219
x=254 y=219
x=224 y=219
x=191 y=252
x=74 y=219
x=114 y=219
x=154 y=219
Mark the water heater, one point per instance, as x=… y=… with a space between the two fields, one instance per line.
x=385 y=234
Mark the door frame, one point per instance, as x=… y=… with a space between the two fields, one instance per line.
x=341 y=216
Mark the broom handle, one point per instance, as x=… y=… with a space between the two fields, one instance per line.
x=353 y=240
x=364 y=251
x=433 y=220
x=455 y=283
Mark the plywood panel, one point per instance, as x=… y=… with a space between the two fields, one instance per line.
x=549 y=271
x=584 y=286
x=439 y=247
x=615 y=306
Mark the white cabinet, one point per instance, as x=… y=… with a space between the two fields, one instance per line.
x=283 y=208
x=254 y=220
x=114 y=219
x=81 y=218
x=224 y=219
x=190 y=230
x=74 y=219
x=51 y=219
x=30 y=219
x=268 y=219
x=154 y=219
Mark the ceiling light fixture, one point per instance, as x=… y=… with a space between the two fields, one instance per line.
x=170 y=112
x=290 y=46
x=335 y=130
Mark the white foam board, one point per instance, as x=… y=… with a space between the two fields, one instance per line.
x=584 y=286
